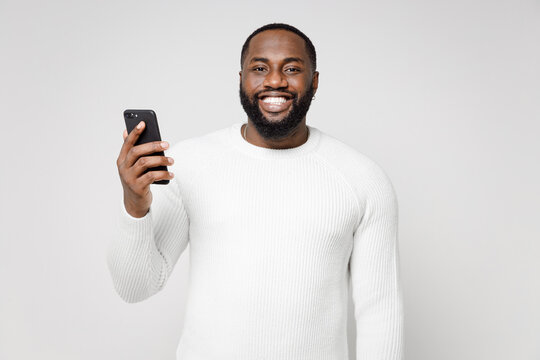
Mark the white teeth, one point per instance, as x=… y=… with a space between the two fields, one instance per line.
x=274 y=100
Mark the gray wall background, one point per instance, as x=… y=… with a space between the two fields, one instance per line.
x=442 y=94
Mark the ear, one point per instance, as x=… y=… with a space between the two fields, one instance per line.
x=240 y=73
x=315 y=81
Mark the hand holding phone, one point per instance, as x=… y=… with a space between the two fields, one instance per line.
x=141 y=161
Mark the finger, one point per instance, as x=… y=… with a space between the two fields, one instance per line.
x=144 y=149
x=125 y=134
x=153 y=176
x=147 y=162
x=130 y=140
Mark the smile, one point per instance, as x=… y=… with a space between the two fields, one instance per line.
x=274 y=100
x=275 y=104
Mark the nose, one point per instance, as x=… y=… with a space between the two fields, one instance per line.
x=275 y=79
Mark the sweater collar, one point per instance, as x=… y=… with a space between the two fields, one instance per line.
x=246 y=147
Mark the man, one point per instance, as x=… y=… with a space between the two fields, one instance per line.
x=279 y=217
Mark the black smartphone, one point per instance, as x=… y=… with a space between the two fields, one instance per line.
x=150 y=133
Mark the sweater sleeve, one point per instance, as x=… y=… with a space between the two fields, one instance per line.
x=375 y=277
x=143 y=254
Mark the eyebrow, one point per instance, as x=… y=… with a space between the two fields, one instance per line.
x=287 y=60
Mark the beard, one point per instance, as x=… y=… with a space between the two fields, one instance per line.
x=276 y=130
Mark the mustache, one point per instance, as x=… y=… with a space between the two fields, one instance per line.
x=293 y=94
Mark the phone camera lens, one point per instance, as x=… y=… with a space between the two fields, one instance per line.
x=130 y=115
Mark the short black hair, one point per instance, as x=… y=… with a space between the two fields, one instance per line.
x=280 y=26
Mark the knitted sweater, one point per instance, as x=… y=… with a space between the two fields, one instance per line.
x=278 y=237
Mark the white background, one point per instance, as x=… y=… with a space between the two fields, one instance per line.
x=444 y=95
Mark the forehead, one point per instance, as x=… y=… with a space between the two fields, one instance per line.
x=277 y=44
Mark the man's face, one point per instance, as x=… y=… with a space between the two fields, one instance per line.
x=277 y=83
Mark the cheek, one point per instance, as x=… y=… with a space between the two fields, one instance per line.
x=301 y=84
x=253 y=81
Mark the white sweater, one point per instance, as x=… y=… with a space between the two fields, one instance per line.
x=275 y=238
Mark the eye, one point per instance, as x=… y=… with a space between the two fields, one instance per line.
x=292 y=69
x=258 y=68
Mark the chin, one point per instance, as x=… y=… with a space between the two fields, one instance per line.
x=274 y=118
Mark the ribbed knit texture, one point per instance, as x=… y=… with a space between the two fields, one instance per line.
x=275 y=238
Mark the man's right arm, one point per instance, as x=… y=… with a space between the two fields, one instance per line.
x=153 y=222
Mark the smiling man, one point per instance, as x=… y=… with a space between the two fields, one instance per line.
x=282 y=219
x=277 y=83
